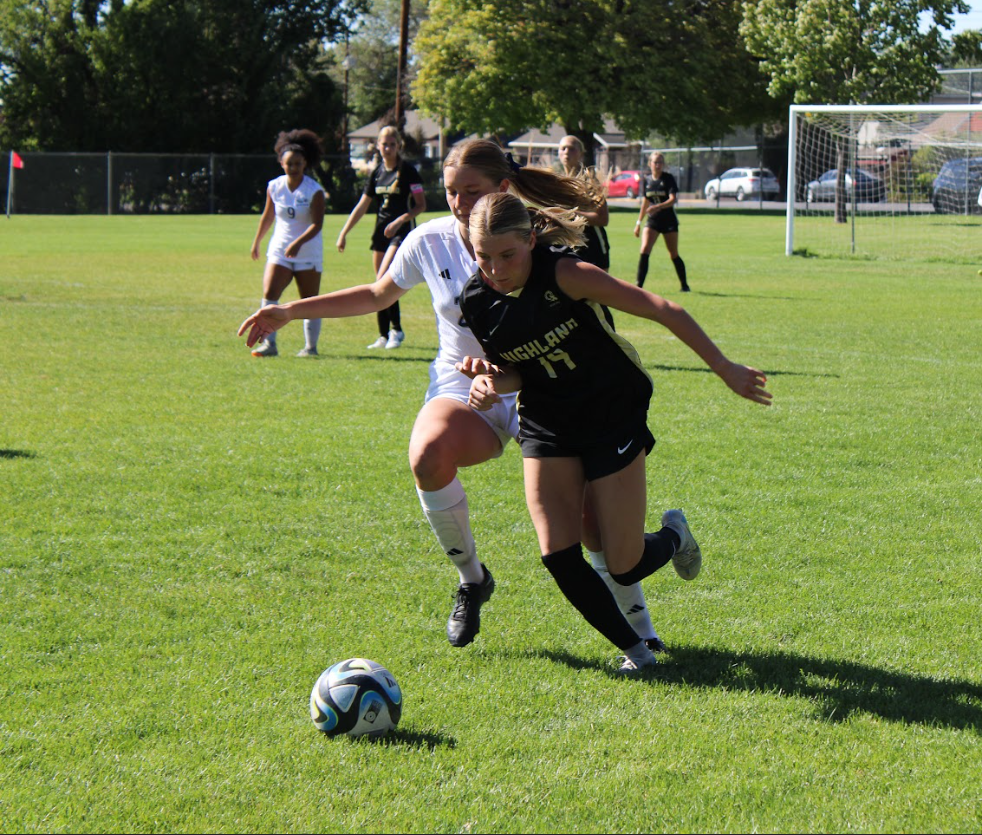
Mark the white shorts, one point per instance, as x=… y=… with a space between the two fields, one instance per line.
x=447 y=381
x=294 y=264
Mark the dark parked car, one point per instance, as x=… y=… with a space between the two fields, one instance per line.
x=869 y=189
x=956 y=188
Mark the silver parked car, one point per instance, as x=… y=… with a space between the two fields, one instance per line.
x=742 y=183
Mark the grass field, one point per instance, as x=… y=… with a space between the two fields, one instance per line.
x=189 y=536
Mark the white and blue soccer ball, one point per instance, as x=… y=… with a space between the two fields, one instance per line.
x=356 y=697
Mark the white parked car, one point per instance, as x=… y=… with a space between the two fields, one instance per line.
x=742 y=183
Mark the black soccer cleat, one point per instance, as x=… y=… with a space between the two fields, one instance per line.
x=465 y=620
x=655 y=644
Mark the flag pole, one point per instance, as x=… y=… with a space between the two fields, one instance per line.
x=10 y=183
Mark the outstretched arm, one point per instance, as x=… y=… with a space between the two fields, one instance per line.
x=357 y=213
x=353 y=301
x=580 y=280
x=265 y=221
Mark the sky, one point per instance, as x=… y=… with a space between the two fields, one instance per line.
x=972 y=20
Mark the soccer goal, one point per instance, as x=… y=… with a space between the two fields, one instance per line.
x=882 y=181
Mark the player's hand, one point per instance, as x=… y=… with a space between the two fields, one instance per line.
x=254 y=252
x=391 y=228
x=637 y=230
x=263 y=322
x=473 y=366
x=747 y=382
x=482 y=395
x=341 y=242
x=293 y=249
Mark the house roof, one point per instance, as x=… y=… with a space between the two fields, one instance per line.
x=415 y=123
x=611 y=137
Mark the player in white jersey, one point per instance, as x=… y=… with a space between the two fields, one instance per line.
x=448 y=434
x=295 y=201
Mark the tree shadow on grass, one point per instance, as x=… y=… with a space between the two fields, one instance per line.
x=838 y=688
x=17 y=453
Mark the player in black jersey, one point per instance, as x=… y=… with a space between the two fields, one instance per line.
x=398 y=188
x=597 y=249
x=583 y=400
x=659 y=194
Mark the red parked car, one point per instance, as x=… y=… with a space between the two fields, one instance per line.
x=625 y=184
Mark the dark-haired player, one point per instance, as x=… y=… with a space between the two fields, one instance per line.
x=295 y=201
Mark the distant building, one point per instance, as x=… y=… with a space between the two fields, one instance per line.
x=424 y=130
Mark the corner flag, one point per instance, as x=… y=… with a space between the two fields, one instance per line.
x=15 y=160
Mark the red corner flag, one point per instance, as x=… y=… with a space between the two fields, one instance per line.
x=15 y=160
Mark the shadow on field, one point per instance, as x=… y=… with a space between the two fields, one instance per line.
x=17 y=453
x=839 y=688
x=749 y=296
x=770 y=373
x=416 y=739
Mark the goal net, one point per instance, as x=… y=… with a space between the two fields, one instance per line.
x=885 y=181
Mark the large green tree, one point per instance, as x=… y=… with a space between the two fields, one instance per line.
x=166 y=75
x=673 y=66
x=849 y=52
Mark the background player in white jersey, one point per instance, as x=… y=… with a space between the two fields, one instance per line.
x=448 y=434
x=399 y=190
x=538 y=312
x=295 y=201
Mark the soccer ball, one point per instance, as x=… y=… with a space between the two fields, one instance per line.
x=356 y=697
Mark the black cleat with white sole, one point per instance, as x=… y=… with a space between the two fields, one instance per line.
x=465 y=620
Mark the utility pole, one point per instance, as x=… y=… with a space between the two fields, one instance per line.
x=403 y=49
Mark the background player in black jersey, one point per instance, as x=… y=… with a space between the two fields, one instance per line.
x=596 y=250
x=399 y=190
x=659 y=194
x=537 y=312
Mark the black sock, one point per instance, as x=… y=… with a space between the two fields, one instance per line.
x=588 y=593
x=395 y=321
x=642 y=268
x=383 y=322
x=680 y=269
x=659 y=548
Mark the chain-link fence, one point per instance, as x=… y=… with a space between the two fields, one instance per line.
x=114 y=183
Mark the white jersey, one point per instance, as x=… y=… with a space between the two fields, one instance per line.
x=435 y=253
x=293 y=218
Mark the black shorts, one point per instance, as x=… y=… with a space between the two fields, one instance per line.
x=380 y=243
x=603 y=454
x=663 y=224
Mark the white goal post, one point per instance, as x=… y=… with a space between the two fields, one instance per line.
x=885 y=181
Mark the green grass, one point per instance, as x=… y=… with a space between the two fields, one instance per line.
x=188 y=537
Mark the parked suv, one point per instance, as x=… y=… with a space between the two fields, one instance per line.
x=742 y=183
x=956 y=188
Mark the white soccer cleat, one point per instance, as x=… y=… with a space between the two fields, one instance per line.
x=688 y=558
x=307 y=352
x=265 y=349
x=633 y=668
x=381 y=342
x=395 y=339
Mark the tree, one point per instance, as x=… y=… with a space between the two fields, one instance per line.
x=849 y=52
x=966 y=49
x=167 y=75
x=494 y=66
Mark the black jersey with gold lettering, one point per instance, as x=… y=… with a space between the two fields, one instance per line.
x=578 y=376
x=658 y=190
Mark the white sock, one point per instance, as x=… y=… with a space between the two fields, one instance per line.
x=641 y=655
x=446 y=511
x=311 y=332
x=630 y=599
x=271 y=339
